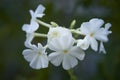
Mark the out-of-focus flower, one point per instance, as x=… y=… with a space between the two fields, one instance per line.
x=36 y=56
x=38 y=13
x=30 y=28
x=94 y=32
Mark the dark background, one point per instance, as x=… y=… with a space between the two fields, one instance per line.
x=95 y=66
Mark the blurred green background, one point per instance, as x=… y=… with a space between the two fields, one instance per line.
x=95 y=66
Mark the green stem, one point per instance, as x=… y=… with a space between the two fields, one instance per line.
x=40 y=35
x=72 y=76
x=77 y=32
x=44 y=24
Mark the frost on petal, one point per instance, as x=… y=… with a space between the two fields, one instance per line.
x=96 y=23
x=102 y=49
x=56 y=58
x=69 y=62
x=77 y=52
x=94 y=44
x=83 y=43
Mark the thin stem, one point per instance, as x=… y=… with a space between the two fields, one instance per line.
x=44 y=24
x=40 y=35
x=46 y=46
x=77 y=32
x=72 y=76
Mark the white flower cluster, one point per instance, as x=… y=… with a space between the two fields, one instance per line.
x=65 y=48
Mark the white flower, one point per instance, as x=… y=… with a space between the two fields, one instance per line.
x=83 y=43
x=38 y=13
x=65 y=52
x=57 y=32
x=36 y=56
x=94 y=32
x=30 y=28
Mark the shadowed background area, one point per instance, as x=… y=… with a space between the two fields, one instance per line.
x=95 y=66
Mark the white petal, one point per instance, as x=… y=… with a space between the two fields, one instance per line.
x=55 y=45
x=28 y=54
x=33 y=17
x=107 y=26
x=34 y=26
x=96 y=23
x=101 y=35
x=94 y=44
x=39 y=15
x=39 y=62
x=40 y=47
x=56 y=58
x=102 y=49
x=69 y=62
x=83 y=43
x=77 y=52
x=30 y=28
x=57 y=32
x=40 y=9
x=29 y=38
x=36 y=63
x=85 y=28
x=25 y=27
x=62 y=43
x=44 y=61
x=66 y=42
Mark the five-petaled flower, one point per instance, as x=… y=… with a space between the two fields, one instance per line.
x=65 y=52
x=94 y=32
x=37 y=56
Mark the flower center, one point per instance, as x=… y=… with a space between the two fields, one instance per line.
x=92 y=34
x=39 y=53
x=55 y=34
x=65 y=51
